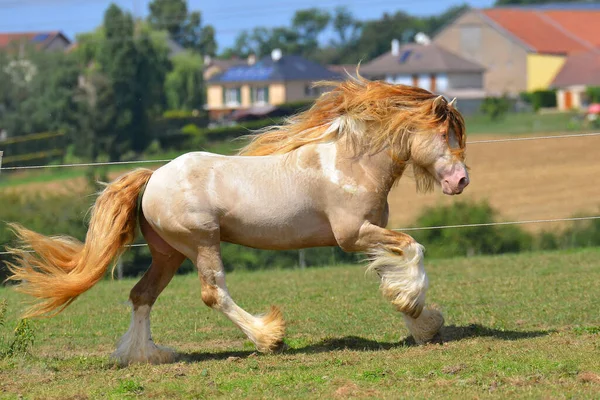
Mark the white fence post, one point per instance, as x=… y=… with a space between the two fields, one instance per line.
x=1 y=154
x=301 y=259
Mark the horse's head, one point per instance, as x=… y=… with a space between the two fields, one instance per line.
x=437 y=148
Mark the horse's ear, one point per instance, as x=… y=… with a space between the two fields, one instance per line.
x=439 y=103
x=452 y=103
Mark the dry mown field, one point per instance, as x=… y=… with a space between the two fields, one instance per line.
x=536 y=179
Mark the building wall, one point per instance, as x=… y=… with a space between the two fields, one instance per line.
x=467 y=80
x=277 y=93
x=246 y=101
x=214 y=96
x=473 y=37
x=576 y=97
x=542 y=69
x=58 y=43
x=442 y=82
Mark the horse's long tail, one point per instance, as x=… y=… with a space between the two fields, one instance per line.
x=57 y=269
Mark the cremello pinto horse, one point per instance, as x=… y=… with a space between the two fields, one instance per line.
x=321 y=179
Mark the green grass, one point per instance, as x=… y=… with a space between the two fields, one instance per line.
x=518 y=326
x=522 y=123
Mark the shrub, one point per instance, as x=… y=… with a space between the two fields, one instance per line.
x=495 y=107
x=540 y=99
x=23 y=336
x=468 y=241
x=593 y=94
x=585 y=233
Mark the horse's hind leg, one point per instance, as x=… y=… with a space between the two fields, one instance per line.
x=266 y=332
x=137 y=344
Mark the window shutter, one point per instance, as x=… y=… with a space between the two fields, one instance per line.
x=267 y=95
x=239 y=95
x=252 y=94
x=224 y=95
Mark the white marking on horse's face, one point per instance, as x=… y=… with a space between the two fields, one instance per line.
x=327 y=158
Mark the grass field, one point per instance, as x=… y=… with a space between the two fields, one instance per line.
x=522 y=326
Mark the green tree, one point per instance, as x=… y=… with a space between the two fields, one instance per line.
x=308 y=25
x=377 y=35
x=346 y=27
x=36 y=91
x=184 y=27
x=184 y=84
x=135 y=62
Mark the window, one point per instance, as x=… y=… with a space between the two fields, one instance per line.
x=260 y=95
x=232 y=96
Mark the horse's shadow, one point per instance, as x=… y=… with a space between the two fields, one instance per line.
x=451 y=333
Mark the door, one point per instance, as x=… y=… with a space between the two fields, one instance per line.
x=568 y=97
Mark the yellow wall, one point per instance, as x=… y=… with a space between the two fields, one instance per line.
x=246 y=101
x=542 y=69
x=214 y=96
x=276 y=93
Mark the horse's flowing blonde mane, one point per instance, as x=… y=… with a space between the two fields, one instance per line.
x=396 y=110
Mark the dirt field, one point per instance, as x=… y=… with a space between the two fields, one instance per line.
x=537 y=179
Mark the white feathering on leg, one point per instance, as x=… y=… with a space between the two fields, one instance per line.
x=403 y=278
x=137 y=346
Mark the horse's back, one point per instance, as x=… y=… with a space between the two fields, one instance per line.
x=256 y=201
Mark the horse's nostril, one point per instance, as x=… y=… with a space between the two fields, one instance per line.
x=463 y=182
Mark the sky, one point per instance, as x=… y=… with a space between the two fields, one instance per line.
x=229 y=17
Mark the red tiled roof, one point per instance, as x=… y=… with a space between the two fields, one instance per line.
x=582 y=68
x=7 y=38
x=550 y=31
x=583 y=24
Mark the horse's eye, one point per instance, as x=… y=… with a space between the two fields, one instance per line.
x=444 y=136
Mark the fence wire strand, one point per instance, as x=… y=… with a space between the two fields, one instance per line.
x=93 y=164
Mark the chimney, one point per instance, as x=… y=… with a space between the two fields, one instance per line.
x=422 y=39
x=276 y=54
x=395 y=47
x=251 y=59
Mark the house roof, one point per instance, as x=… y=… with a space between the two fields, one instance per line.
x=415 y=58
x=551 y=31
x=343 y=69
x=287 y=68
x=224 y=64
x=581 y=68
x=40 y=39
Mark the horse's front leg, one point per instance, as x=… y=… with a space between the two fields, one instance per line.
x=398 y=260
